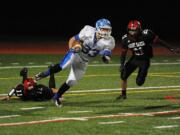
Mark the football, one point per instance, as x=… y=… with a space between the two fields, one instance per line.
x=77 y=46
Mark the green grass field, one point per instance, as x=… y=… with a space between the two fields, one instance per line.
x=90 y=108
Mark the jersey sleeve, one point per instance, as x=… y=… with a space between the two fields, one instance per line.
x=110 y=44
x=85 y=32
x=108 y=47
x=124 y=41
x=149 y=36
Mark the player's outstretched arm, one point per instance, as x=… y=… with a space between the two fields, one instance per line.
x=106 y=55
x=10 y=94
x=167 y=45
x=5 y=98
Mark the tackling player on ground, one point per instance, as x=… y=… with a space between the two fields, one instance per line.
x=30 y=90
x=83 y=47
x=139 y=41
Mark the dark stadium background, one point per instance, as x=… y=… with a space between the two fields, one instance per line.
x=61 y=21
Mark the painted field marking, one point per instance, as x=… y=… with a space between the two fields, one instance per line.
x=79 y=111
x=165 y=60
x=90 y=65
x=138 y=90
x=132 y=114
x=9 y=116
x=48 y=63
x=110 y=122
x=30 y=63
x=42 y=121
x=162 y=74
x=116 y=92
x=173 y=98
x=15 y=63
x=32 y=108
x=148 y=114
x=174 y=118
x=106 y=75
x=135 y=88
x=87 y=118
x=167 y=126
x=61 y=118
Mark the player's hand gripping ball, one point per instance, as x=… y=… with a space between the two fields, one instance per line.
x=77 y=46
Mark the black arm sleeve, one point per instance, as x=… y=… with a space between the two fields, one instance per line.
x=164 y=44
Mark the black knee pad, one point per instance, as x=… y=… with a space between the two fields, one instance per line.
x=123 y=75
x=55 y=68
x=140 y=81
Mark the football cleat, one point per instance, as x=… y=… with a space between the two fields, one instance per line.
x=57 y=100
x=121 y=97
x=58 y=103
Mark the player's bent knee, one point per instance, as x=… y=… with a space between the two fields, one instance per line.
x=140 y=82
x=123 y=77
x=55 y=68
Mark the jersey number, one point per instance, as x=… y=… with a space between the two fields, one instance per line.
x=89 y=51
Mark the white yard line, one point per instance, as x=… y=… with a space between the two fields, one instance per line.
x=79 y=111
x=15 y=63
x=30 y=63
x=93 y=117
x=90 y=65
x=167 y=126
x=32 y=108
x=9 y=116
x=174 y=118
x=110 y=122
x=116 y=89
x=135 y=88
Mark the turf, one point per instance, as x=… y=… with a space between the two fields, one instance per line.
x=95 y=104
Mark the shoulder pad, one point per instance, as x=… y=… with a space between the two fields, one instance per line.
x=147 y=32
x=88 y=28
x=87 y=31
x=124 y=36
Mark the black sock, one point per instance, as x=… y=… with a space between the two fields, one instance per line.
x=52 y=83
x=63 y=89
x=123 y=92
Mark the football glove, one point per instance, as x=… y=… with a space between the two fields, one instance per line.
x=39 y=76
x=106 y=59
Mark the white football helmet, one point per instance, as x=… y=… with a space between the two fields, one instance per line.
x=103 y=28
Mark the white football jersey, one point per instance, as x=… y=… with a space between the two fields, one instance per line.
x=91 y=46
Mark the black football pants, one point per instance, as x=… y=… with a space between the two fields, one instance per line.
x=132 y=65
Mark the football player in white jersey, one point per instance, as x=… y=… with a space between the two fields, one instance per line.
x=83 y=47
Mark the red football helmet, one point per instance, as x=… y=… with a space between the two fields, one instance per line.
x=134 y=27
x=29 y=84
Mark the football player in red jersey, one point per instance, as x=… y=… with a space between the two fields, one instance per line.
x=139 y=41
x=30 y=90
